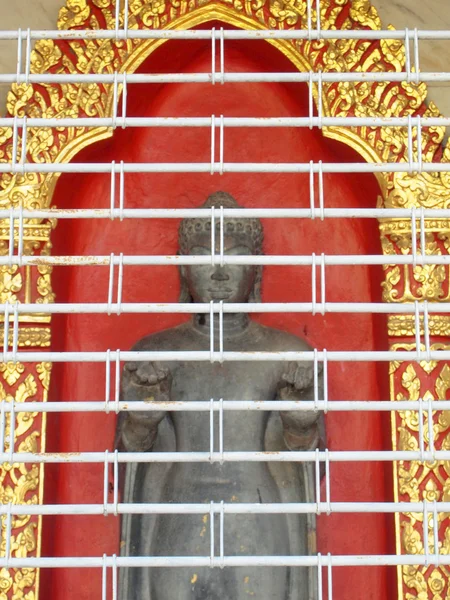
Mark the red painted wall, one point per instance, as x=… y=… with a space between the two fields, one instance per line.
x=341 y=534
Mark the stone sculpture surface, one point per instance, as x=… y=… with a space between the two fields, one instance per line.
x=184 y=535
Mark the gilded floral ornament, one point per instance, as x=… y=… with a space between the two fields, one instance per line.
x=10 y=283
x=418 y=481
x=73 y=14
x=11 y=371
x=45 y=55
x=152 y=14
x=364 y=13
x=19 y=483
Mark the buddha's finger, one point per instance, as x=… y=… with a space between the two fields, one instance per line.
x=289 y=374
x=161 y=371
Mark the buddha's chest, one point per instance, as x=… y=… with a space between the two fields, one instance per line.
x=249 y=380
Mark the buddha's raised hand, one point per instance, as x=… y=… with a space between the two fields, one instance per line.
x=146 y=381
x=143 y=381
x=299 y=375
x=297 y=383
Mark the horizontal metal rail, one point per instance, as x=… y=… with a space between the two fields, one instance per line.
x=226 y=122
x=226 y=167
x=210 y=78
x=207 y=356
x=223 y=457
x=208 y=34
x=242 y=213
x=234 y=508
x=80 y=406
x=345 y=560
x=409 y=308
x=268 y=259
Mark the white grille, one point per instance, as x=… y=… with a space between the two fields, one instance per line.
x=112 y=359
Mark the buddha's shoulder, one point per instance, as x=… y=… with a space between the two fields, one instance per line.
x=167 y=339
x=277 y=339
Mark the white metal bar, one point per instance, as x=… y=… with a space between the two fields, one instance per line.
x=221 y=433
x=235 y=508
x=19 y=53
x=125 y=19
x=205 y=34
x=11 y=241
x=87 y=406
x=330 y=577
x=207 y=355
x=346 y=560
x=319 y=577
x=282 y=77
x=222 y=55
x=231 y=122
x=211 y=336
x=116 y=483
x=12 y=433
x=221 y=331
x=236 y=456
x=213 y=143
x=114 y=577
x=211 y=430
x=105 y=484
x=8 y=534
x=211 y=534
x=313 y=285
x=28 y=55
x=317 y=480
x=15 y=343
x=252 y=259
x=251 y=308
x=198 y=167
x=222 y=533
x=244 y=213
x=104 y=578
x=107 y=381
x=407 y=39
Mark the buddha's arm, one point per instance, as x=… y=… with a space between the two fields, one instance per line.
x=301 y=428
x=143 y=382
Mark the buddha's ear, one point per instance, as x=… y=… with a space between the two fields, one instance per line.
x=255 y=294
x=184 y=289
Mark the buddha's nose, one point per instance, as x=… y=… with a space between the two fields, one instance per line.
x=220 y=274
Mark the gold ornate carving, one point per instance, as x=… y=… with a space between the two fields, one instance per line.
x=10 y=283
x=19 y=483
x=340 y=99
x=405 y=325
x=417 y=481
x=30 y=337
x=407 y=283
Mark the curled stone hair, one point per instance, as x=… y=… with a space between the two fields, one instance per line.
x=248 y=231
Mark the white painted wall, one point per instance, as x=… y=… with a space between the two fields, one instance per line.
x=423 y=14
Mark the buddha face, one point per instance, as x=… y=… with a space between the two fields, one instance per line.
x=230 y=283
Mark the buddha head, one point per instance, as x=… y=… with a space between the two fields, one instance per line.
x=227 y=283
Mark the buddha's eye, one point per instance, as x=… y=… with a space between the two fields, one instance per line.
x=200 y=250
x=238 y=250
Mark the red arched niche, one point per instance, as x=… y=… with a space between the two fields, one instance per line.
x=339 y=534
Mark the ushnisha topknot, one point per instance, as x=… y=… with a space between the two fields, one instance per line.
x=250 y=229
